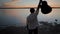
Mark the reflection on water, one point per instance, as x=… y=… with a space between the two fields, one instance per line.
x=23 y=13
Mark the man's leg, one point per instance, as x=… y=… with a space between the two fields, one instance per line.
x=30 y=31
x=36 y=31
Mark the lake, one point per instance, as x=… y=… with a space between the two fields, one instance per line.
x=23 y=13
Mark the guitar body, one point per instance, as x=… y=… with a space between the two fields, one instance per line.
x=45 y=8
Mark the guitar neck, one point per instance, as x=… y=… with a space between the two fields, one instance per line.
x=40 y=2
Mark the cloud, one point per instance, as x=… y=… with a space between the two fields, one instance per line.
x=10 y=3
x=20 y=3
x=27 y=3
x=14 y=0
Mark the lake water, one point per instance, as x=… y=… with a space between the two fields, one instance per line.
x=23 y=13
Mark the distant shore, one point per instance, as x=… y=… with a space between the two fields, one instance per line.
x=22 y=7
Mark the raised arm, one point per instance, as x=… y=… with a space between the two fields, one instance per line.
x=39 y=5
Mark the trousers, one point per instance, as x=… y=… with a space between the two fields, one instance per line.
x=33 y=31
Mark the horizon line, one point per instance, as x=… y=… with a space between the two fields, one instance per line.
x=20 y=7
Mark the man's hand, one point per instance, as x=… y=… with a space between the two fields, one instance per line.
x=39 y=5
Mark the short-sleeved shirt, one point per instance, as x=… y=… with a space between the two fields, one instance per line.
x=32 y=21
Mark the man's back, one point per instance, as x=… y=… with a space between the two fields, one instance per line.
x=32 y=21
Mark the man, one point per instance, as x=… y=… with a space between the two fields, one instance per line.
x=32 y=22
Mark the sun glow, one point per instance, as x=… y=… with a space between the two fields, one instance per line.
x=27 y=3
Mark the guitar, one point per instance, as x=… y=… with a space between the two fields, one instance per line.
x=45 y=8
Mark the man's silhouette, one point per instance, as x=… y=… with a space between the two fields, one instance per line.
x=32 y=22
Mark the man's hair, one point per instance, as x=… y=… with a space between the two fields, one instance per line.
x=32 y=10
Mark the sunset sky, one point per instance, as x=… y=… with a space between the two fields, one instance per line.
x=23 y=13
x=27 y=3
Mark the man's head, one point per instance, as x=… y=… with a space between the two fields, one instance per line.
x=32 y=10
